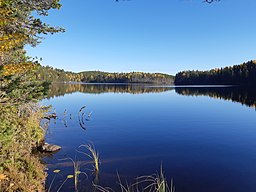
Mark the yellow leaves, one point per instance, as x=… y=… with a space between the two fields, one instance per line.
x=3 y=177
x=12 y=69
x=10 y=41
x=4 y=12
x=11 y=36
x=70 y=176
x=56 y=171
x=2 y=2
x=3 y=21
x=7 y=14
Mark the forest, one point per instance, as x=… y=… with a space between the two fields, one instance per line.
x=244 y=74
x=59 y=75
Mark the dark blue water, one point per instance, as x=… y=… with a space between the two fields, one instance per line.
x=205 y=138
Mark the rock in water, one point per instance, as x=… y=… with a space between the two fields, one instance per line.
x=50 y=148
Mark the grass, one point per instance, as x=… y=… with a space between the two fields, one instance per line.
x=93 y=154
x=158 y=182
x=77 y=172
x=151 y=183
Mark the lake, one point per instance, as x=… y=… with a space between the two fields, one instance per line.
x=203 y=137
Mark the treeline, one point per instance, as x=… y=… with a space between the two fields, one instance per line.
x=59 y=75
x=244 y=74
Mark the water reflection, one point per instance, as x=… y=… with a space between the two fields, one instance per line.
x=134 y=134
x=65 y=118
x=244 y=95
x=62 y=89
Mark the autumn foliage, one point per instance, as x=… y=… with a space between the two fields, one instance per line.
x=20 y=114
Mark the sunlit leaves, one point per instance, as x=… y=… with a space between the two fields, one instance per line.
x=18 y=26
x=11 y=41
x=12 y=69
x=3 y=177
x=244 y=74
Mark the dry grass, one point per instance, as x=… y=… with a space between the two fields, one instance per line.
x=151 y=183
x=93 y=154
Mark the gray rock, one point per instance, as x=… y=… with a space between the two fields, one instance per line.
x=50 y=148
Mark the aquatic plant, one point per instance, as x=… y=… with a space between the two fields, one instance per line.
x=94 y=155
x=82 y=117
x=68 y=177
x=76 y=173
x=55 y=174
x=152 y=183
x=157 y=182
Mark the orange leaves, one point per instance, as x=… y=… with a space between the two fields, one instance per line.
x=3 y=177
x=13 y=69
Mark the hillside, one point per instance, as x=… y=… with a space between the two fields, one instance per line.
x=244 y=74
x=58 y=75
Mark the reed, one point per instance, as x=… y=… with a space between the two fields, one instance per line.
x=68 y=177
x=93 y=154
x=55 y=174
x=157 y=182
x=161 y=183
x=76 y=173
x=151 y=183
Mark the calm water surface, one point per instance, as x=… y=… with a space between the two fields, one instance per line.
x=205 y=138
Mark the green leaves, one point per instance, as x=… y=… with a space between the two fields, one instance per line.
x=19 y=26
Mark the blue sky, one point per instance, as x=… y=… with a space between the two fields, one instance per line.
x=150 y=35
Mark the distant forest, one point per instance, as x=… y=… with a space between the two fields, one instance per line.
x=244 y=74
x=58 y=75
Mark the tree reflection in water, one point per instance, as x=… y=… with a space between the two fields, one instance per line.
x=241 y=94
x=60 y=89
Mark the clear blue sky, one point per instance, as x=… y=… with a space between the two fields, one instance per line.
x=150 y=35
